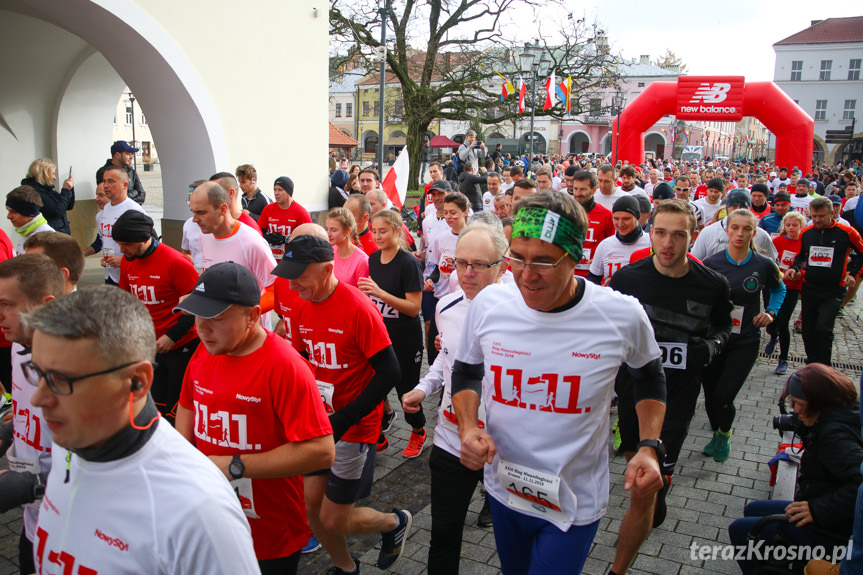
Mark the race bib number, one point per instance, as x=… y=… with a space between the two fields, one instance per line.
x=820 y=257
x=387 y=311
x=243 y=488
x=584 y=264
x=673 y=354
x=278 y=251
x=736 y=319
x=446 y=263
x=786 y=259
x=326 y=390
x=536 y=492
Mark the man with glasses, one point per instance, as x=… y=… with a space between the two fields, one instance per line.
x=26 y=282
x=683 y=191
x=125 y=488
x=553 y=374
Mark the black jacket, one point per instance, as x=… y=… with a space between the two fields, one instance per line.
x=830 y=469
x=136 y=189
x=54 y=204
x=468 y=184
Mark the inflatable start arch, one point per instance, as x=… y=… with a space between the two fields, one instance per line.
x=720 y=99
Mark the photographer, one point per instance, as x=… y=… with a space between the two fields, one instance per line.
x=826 y=415
x=471 y=151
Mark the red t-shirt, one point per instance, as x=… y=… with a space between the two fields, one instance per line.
x=600 y=225
x=286 y=301
x=159 y=280
x=368 y=243
x=7 y=251
x=340 y=334
x=250 y=221
x=254 y=404
x=275 y=219
x=701 y=191
x=788 y=250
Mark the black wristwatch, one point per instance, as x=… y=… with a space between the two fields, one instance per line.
x=236 y=468
x=657 y=445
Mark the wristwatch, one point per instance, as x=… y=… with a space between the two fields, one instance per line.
x=236 y=468
x=657 y=445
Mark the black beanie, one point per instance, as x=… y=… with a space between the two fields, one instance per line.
x=716 y=184
x=663 y=191
x=627 y=204
x=132 y=226
x=286 y=184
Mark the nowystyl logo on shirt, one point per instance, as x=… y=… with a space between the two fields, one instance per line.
x=223 y=428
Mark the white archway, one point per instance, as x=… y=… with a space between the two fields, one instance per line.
x=655 y=142
x=579 y=142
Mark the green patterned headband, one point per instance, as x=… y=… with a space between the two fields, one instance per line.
x=548 y=226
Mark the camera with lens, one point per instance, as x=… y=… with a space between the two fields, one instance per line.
x=787 y=422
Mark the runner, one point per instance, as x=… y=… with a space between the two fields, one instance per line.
x=442 y=251
x=748 y=273
x=787 y=243
x=26 y=282
x=614 y=252
x=351 y=263
x=690 y=310
x=434 y=225
x=555 y=374
x=600 y=225
x=110 y=448
x=361 y=209
x=279 y=218
x=824 y=253
x=235 y=407
x=714 y=238
x=772 y=222
x=342 y=334
x=395 y=285
x=479 y=260
x=115 y=182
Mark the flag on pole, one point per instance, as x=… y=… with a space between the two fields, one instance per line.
x=549 y=92
x=507 y=88
x=569 y=95
x=560 y=89
x=522 y=89
x=396 y=183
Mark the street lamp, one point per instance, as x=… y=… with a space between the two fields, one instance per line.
x=529 y=65
x=382 y=54
x=618 y=101
x=135 y=155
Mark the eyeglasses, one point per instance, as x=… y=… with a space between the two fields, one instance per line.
x=59 y=383
x=682 y=189
x=542 y=269
x=462 y=265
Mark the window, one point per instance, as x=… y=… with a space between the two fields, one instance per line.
x=377 y=109
x=338 y=110
x=143 y=120
x=848 y=114
x=796 y=70
x=826 y=65
x=820 y=109
x=854 y=69
x=365 y=108
x=641 y=84
x=349 y=110
x=595 y=106
x=399 y=108
x=129 y=115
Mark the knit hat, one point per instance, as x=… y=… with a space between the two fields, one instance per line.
x=286 y=184
x=627 y=204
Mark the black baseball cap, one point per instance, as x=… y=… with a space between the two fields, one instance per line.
x=300 y=252
x=220 y=287
x=440 y=186
x=663 y=191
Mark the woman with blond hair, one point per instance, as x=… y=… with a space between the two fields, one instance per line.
x=351 y=263
x=40 y=176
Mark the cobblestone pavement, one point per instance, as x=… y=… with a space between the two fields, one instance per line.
x=703 y=500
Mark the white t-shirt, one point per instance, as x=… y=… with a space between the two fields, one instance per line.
x=556 y=183
x=774 y=185
x=547 y=389
x=487 y=202
x=608 y=201
x=449 y=318
x=105 y=220
x=165 y=509
x=708 y=209
x=714 y=238
x=851 y=204
x=192 y=243
x=636 y=191
x=801 y=204
x=245 y=247
x=433 y=226
x=612 y=254
x=441 y=253
x=504 y=187
x=19 y=249
x=31 y=441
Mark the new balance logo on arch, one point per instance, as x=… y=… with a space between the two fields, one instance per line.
x=711 y=93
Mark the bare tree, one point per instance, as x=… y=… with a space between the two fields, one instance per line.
x=669 y=60
x=454 y=76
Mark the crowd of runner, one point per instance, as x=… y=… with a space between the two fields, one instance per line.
x=219 y=408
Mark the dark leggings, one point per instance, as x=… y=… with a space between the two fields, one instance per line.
x=408 y=345
x=779 y=328
x=281 y=566
x=723 y=379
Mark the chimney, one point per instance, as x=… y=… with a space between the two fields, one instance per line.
x=645 y=59
x=602 y=44
x=814 y=22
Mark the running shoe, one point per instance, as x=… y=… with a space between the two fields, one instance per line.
x=392 y=542
x=841 y=312
x=617 y=439
x=312 y=546
x=782 y=368
x=723 y=446
x=415 y=445
x=484 y=517
x=770 y=347
x=383 y=442
x=798 y=326
x=387 y=421
x=710 y=448
x=336 y=571
x=660 y=510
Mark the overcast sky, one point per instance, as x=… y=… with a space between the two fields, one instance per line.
x=732 y=37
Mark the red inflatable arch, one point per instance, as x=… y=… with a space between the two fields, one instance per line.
x=717 y=98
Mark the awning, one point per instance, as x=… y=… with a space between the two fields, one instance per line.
x=442 y=142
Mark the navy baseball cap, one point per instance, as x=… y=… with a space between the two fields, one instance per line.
x=122 y=146
x=220 y=287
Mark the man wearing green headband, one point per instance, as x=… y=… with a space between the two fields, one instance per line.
x=554 y=373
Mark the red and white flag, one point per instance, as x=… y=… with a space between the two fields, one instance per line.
x=549 y=92
x=522 y=89
x=396 y=183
